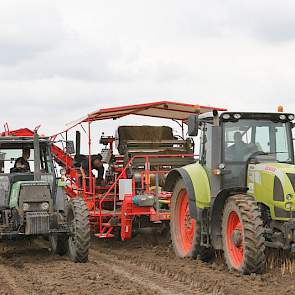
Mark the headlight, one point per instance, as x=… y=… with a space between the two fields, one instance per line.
x=44 y=206
x=291 y=117
x=237 y=116
x=289 y=206
x=226 y=116
x=289 y=197
x=221 y=166
x=283 y=117
x=26 y=206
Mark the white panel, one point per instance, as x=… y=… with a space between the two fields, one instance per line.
x=125 y=187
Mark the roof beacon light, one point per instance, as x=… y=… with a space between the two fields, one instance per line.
x=216 y=172
x=291 y=117
x=280 y=109
x=282 y=117
x=237 y=116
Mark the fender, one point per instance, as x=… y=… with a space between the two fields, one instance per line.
x=197 y=185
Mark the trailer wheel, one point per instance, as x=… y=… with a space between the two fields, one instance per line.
x=242 y=235
x=79 y=239
x=185 y=231
x=59 y=244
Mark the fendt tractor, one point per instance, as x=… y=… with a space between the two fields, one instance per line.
x=239 y=197
x=32 y=199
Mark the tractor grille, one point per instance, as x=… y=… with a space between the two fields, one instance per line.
x=37 y=223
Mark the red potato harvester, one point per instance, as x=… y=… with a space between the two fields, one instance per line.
x=132 y=195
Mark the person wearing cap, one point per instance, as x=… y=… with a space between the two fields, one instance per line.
x=22 y=164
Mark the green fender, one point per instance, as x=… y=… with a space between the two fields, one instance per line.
x=201 y=185
x=197 y=185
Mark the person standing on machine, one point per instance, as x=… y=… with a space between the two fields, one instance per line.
x=97 y=164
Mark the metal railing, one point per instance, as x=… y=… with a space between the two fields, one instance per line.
x=147 y=173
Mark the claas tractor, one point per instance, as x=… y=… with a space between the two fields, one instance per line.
x=239 y=196
x=32 y=199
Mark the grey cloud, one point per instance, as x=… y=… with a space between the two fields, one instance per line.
x=28 y=28
x=271 y=21
x=111 y=53
x=266 y=21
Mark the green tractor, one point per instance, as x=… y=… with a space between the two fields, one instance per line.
x=240 y=195
x=34 y=203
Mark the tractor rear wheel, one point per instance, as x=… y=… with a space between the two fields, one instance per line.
x=185 y=231
x=79 y=239
x=242 y=235
x=59 y=243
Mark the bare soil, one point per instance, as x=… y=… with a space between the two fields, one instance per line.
x=144 y=265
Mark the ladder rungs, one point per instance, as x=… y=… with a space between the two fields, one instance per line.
x=102 y=236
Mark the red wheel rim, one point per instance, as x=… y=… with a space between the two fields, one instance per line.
x=186 y=223
x=234 y=240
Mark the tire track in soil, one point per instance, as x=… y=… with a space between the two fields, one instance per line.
x=188 y=283
x=7 y=282
x=145 y=275
x=212 y=278
x=33 y=270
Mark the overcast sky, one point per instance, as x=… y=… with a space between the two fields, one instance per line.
x=62 y=59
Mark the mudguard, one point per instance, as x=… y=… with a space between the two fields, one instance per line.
x=197 y=185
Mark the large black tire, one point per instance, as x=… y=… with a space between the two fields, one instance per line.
x=185 y=231
x=59 y=243
x=243 y=235
x=79 y=239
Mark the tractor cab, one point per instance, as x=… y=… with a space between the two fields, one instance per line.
x=232 y=141
x=13 y=172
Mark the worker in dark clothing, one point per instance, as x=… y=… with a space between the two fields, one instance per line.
x=22 y=164
x=97 y=164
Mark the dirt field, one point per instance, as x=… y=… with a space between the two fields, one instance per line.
x=140 y=266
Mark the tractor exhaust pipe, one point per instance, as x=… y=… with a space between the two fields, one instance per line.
x=37 y=164
x=78 y=142
x=215 y=118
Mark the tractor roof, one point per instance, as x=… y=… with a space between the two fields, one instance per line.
x=272 y=116
x=21 y=139
x=23 y=135
x=22 y=132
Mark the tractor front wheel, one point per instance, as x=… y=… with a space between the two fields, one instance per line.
x=79 y=239
x=59 y=243
x=185 y=231
x=242 y=234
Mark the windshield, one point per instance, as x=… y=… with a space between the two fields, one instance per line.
x=10 y=156
x=245 y=137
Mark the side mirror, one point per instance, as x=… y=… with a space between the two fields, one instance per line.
x=193 y=125
x=70 y=147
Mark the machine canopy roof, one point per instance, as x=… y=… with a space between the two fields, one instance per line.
x=161 y=109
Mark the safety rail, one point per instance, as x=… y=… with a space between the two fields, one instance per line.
x=147 y=172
